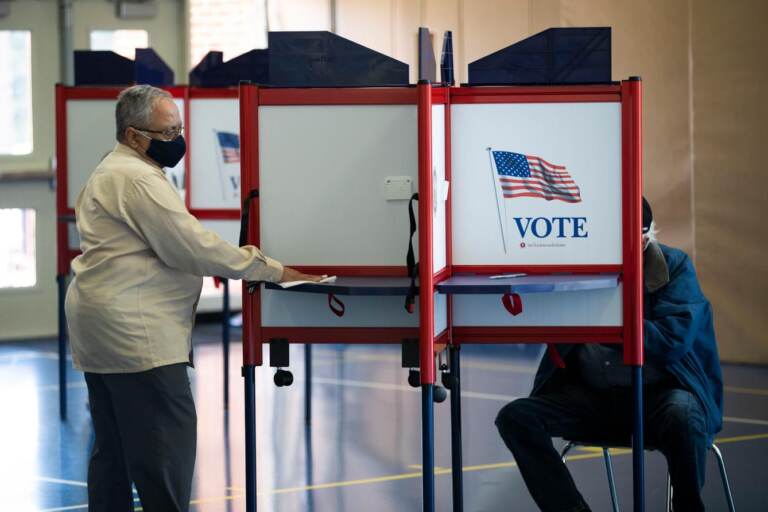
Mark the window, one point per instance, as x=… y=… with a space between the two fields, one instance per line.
x=123 y=42
x=16 y=92
x=17 y=248
x=230 y=26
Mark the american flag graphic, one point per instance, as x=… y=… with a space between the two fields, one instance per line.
x=532 y=176
x=230 y=147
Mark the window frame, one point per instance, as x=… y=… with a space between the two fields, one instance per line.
x=4 y=156
x=13 y=290
x=91 y=30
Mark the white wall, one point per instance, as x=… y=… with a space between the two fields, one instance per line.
x=41 y=18
x=166 y=30
x=31 y=312
x=27 y=313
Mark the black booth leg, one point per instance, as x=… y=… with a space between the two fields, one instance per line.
x=62 y=285
x=307 y=384
x=456 y=455
x=225 y=339
x=638 y=469
x=428 y=446
x=250 y=438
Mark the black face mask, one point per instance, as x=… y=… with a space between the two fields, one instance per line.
x=167 y=153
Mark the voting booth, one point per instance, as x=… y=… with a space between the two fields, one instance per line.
x=546 y=190
x=208 y=178
x=544 y=196
x=328 y=175
x=528 y=223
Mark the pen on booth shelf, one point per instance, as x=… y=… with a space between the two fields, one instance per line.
x=505 y=276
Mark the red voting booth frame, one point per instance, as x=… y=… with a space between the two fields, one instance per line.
x=628 y=93
x=65 y=214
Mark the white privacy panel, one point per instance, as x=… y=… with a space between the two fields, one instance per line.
x=296 y=309
x=601 y=307
x=229 y=230
x=322 y=172
x=440 y=188
x=73 y=236
x=214 y=143
x=536 y=183
x=91 y=135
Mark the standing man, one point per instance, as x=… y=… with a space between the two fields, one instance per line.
x=131 y=306
x=591 y=397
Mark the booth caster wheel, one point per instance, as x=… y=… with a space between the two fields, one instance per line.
x=414 y=378
x=447 y=379
x=283 y=378
x=440 y=394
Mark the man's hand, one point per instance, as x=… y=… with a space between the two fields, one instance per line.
x=290 y=274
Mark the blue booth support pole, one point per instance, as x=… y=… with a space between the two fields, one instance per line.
x=307 y=384
x=428 y=446
x=61 y=280
x=456 y=456
x=638 y=469
x=632 y=254
x=225 y=314
x=250 y=438
x=426 y=293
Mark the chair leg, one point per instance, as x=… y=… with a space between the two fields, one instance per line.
x=669 y=493
x=566 y=450
x=724 y=477
x=611 y=482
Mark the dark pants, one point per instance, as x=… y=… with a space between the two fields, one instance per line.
x=146 y=428
x=674 y=424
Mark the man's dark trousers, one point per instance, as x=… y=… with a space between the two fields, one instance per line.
x=674 y=423
x=145 y=428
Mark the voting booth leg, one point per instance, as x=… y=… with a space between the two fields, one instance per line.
x=307 y=384
x=456 y=458
x=250 y=438
x=62 y=282
x=225 y=339
x=637 y=439
x=428 y=446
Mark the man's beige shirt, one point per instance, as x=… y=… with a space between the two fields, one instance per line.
x=131 y=304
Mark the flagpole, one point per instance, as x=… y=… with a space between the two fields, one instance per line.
x=220 y=162
x=502 y=223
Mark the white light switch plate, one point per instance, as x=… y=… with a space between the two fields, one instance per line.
x=398 y=188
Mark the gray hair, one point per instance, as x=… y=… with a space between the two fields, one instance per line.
x=650 y=235
x=134 y=107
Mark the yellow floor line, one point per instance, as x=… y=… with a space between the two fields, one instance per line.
x=479 y=467
x=747 y=391
x=402 y=476
x=478 y=365
x=204 y=501
x=736 y=439
x=347 y=483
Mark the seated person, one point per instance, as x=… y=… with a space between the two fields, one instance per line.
x=591 y=397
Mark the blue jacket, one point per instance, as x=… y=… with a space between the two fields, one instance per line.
x=678 y=334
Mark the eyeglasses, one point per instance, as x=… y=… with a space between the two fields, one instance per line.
x=169 y=134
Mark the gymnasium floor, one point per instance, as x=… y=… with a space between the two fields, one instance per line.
x=363 y=449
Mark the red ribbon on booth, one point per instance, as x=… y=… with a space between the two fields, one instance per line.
x=512 y=303
x=336 y=305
